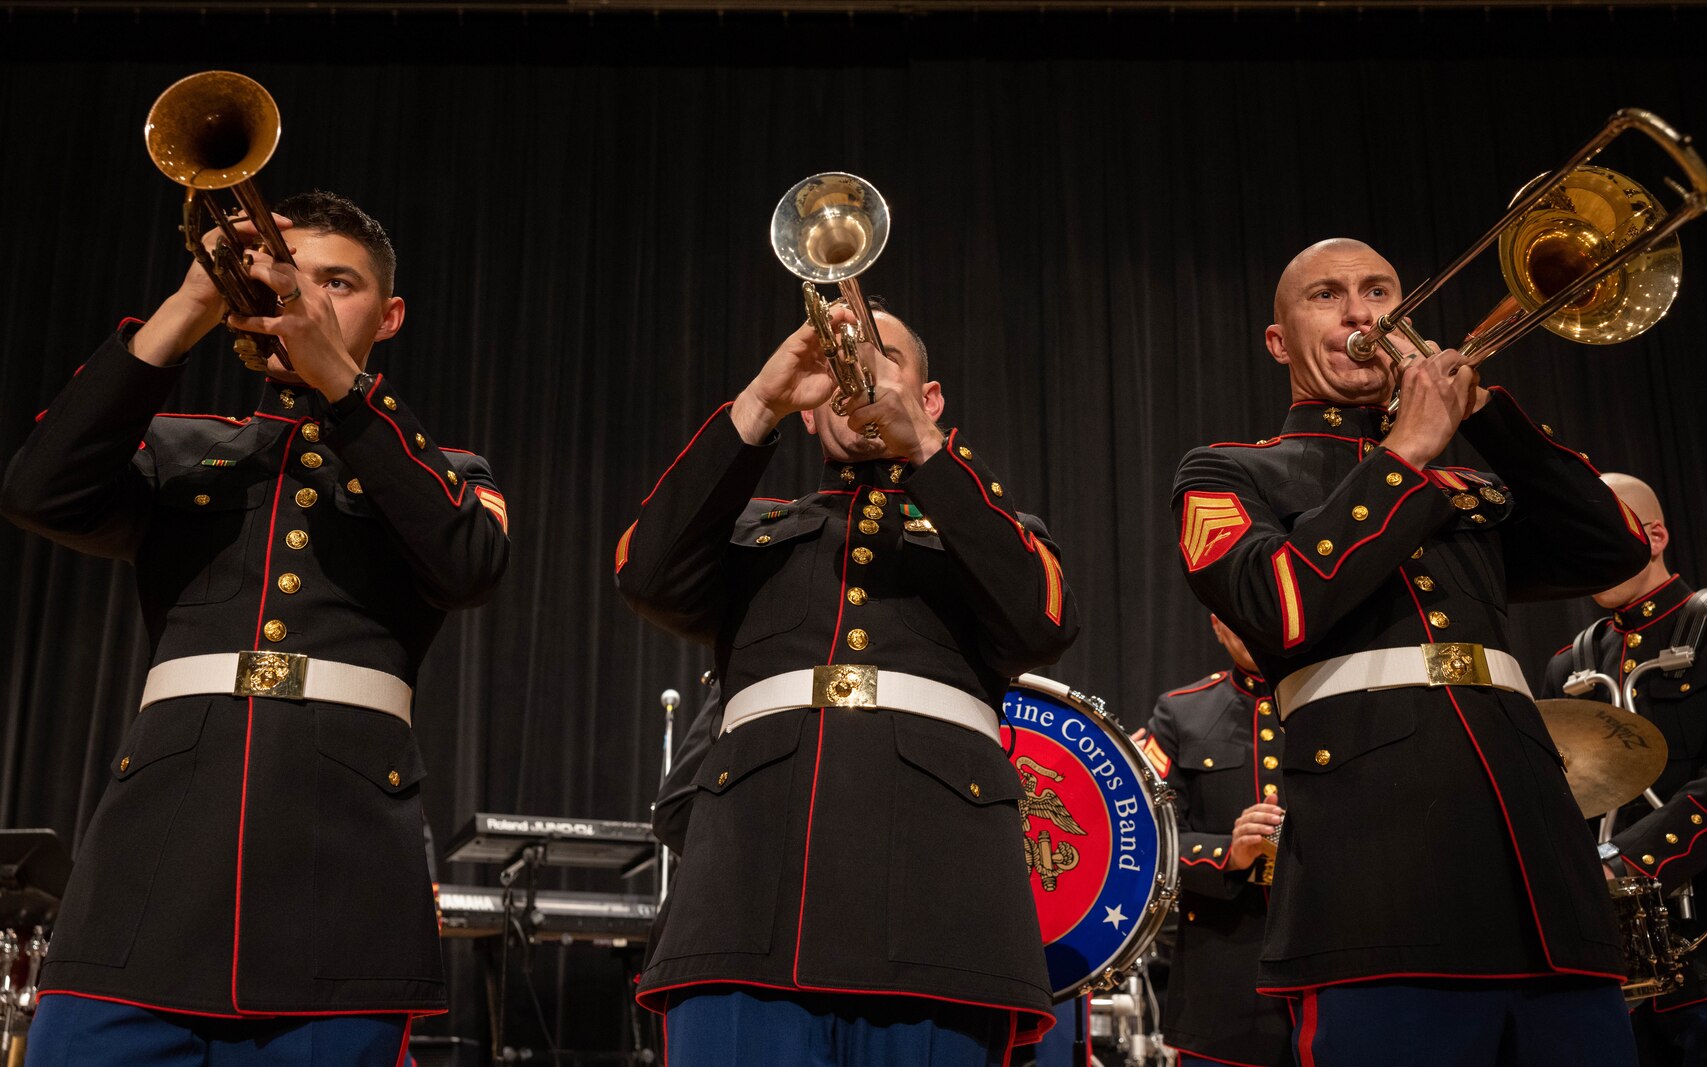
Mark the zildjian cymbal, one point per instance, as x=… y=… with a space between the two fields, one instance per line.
x=1610 y=755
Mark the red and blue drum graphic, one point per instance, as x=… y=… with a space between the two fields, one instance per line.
x=1098 y=846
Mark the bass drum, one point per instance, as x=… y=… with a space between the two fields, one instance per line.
x=1100 y=838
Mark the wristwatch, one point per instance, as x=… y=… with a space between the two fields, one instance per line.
x=353 y=399
x=364 y=382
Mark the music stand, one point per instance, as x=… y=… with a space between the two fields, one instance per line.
x=34 y=867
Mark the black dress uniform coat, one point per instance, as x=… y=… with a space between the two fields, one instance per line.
x=256 y=855
x=1668 y=843
x=844 y=850
x=1429 y=831
x=1221 y=745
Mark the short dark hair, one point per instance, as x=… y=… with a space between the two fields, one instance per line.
x=323 y=212
x=878 y=303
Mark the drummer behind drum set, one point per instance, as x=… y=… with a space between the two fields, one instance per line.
x=1648 y=649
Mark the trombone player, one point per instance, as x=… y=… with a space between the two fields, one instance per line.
x=852 y=890
x=1437 y=898
x=293 y=568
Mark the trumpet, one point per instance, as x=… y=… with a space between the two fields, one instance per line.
x=1585 y=251
x=828 y=229
x=216 y=130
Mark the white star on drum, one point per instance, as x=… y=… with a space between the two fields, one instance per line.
x=1114 y=917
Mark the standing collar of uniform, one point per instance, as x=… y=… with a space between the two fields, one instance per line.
x=1652 y=606
x=1247 y=682
x=292 y=400
x=882 y=473
x=1356 y=422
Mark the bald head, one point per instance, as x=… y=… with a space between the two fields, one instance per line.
x=1637 y=494
x=1307 y=265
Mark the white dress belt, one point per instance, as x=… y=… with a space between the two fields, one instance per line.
x=1445 y=663
x=851 y=685
x=278 y=676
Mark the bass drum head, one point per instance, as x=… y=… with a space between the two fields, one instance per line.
x=1100 y=842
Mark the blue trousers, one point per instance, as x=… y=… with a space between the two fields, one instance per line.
x=72 y=1031
x=735 y=1026
x=1056 y=1048
x=1534 y=1023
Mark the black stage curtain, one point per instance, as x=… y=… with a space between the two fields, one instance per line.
x=1090 y=214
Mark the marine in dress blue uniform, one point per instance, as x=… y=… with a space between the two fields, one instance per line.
x=1437 y=898
x=1219 y=744
x=254 y=869
x=1650 y=612
x=853 y=867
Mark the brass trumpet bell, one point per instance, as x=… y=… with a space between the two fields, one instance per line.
x=1578 y=225
x=212 y=130
x=830 y=227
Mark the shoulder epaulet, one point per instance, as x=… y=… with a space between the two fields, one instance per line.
x=1200 y=685
x=214 y=418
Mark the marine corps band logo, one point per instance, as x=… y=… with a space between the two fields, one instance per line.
x=1049 y=859
x=1211 y=524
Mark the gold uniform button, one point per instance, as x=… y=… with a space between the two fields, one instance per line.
x=1322 y=757
x=872 y=511
x=1647 y=859
x=390 y=403
x=203 y=500
x=1629 y=665
x=124 y=765
x=862 y=555
x=965 y=453
x=274 y=630
x=856 y=596
x=858 y=639
x=289 y=583
x=450 y=476
x=1266 y=734
x=847 y=474
x=974 y=790
x=1546 y=429
x=877 y=498
x=1207 y=762
x=1359 y=513
x=1195 y=849
x=1265 y=707
x=763 y=539
x=868 y=526
x=297 y=539
x=1394 y=478
x=1439 y=620
x=394 y=778
x=1270 y=790
x=1634 y=640
x=1368 y=447
x=996 y=487
x=1217 y=852
x=354 y=485
x=420 y=440
x=1418 y=554
x=311 y=432
x=1423 y=582
x=1324 y=547
x=723 y=778
x=311 y=460
x=305 y=498
x=1191 y=916
x=1478 y=519
x=1684 y=688
x=1696 y=819
x=1671 y=839
x=1270 y=763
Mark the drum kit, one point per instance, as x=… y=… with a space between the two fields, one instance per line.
x=34 y=867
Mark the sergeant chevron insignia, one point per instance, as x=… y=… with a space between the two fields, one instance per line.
x=1212 y=524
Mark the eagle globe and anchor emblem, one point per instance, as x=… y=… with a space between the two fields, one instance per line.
x=1098 y=834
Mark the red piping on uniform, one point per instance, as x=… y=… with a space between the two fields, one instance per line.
x=806 y=855
x=1307 y=990
x=1580 y=458
x=458 y=451
x=1211 y=1059
x=1213 y=682
x=403 y=1049
x=1686 y=851
x=456 y=497
x=1307 y=1032
x=1019 y=528
x=137 y=1004
x=1277 y=438
x=1634 y=601
x=665 y=1015
x=1355 y=545
x=276 y=418
x=685 y=450
x=1256 y=759
x=1219 y=865
x=1649 y=622
x=412 y=1013
x=1655 y=1004
x=215 y=418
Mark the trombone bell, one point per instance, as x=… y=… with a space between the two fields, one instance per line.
x=1577 y=226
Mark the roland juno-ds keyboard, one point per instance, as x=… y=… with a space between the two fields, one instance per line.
x=606 y=843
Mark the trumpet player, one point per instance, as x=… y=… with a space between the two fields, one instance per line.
x=1437 y=897
x=252 y=887
x=852 y=888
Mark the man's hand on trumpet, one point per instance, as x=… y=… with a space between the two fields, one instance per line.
x=195 y=309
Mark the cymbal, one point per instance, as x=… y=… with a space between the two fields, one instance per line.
x=1610 y=755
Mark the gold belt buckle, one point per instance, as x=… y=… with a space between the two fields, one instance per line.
x=844 y=685
x=1456 y=663
x=279 y=675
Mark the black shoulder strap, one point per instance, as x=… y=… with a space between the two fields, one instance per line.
x=1691 y=621
x=1582 y=649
